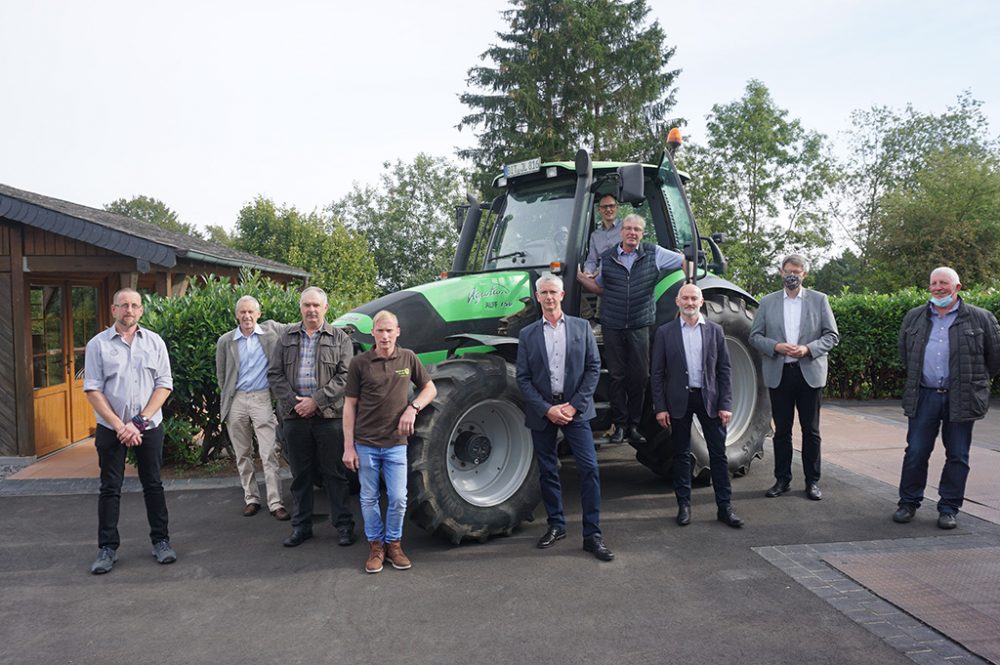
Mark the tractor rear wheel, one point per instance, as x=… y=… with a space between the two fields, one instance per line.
x=472 y=467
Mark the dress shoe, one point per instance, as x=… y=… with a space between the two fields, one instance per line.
x=281 y=514
x=777 y=489
x=345 y=536
x=904 y=513
x=947 y=521
x=251 y=509
x=635 y=437
x=729 y=518
x=684 y=514
x=595 y=545
x=619 y=435
x=298 y=537
x=812 y=491
x=551 y=536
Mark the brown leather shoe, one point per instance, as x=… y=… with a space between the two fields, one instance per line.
x=375 y=557
x=394 y=553
x=251 y=509
x=281 y=514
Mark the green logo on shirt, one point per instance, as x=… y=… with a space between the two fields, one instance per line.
x=403 y=372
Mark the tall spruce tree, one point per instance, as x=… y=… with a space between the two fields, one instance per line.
x=569 y=74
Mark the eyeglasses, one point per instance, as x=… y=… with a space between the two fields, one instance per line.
x=608 y=206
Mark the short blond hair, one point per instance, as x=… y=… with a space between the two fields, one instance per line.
x=384 y=314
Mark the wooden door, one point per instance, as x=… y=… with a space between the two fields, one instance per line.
x=83 y=302
x=50 y=367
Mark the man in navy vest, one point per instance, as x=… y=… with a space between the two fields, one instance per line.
x=628 y=275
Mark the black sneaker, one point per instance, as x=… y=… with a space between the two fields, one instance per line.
x=105 y=560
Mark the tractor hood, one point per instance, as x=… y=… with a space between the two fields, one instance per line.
x=488 y=303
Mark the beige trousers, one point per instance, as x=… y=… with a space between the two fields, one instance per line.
x=252 y=413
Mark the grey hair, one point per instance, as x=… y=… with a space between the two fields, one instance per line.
x=634 y=217
x=947 y=271
x=314 y=289
x=550 y=279
x=795 y=260
x=244 y=299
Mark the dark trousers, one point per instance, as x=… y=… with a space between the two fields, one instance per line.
x=149 y=458
x=581 y=442
x=626 y=353
x=794 y=394
x=715 y=437
x=315 y=447
x=932 y=415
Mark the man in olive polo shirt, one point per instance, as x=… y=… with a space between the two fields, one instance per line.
x=378 y=418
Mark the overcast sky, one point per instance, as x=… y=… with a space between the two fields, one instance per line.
x=207 y=104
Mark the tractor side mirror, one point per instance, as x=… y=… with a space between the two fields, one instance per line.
x=461 y=211
x=631 y=184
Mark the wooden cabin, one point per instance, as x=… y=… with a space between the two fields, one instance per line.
x=60 y=264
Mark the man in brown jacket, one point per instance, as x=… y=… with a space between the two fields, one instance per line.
x=307 y=374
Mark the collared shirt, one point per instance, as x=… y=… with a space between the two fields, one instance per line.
x=601 y=240
x=127 y=374
x=253 y=362
x=938 y=350
x=691 y=336
x=306 y=383
x=382 y=388
x=666 y=260
x=793 y=319
x=555 y=349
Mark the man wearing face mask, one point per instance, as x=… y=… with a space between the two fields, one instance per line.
x=950 y=350
x=794 y=330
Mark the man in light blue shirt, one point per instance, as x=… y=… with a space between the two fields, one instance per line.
x=241 y=359
x=127 y=379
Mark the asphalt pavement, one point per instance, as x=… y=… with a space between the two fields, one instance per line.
x=705 y=593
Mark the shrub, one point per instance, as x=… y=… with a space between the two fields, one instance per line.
x=190 y=326
x=866 y=365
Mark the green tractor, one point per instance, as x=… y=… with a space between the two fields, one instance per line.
x=472 y=468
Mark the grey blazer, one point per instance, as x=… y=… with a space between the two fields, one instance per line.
x=817 y=330
x=227 y=361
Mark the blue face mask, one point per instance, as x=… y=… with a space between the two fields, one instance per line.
x=942 y=302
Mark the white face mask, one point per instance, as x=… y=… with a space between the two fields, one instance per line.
x=943 y=302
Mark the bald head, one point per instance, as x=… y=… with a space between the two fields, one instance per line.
x=689 y=301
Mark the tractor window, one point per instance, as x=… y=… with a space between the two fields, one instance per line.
x=534 y=226
x=680 y=221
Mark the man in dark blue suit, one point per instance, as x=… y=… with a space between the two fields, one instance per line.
x=691 y=377
x=557 y=371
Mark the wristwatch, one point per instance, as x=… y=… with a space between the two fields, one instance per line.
x=141 y=422
x=416 y=407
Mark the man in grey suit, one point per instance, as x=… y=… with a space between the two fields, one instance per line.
x=241 y=358
x=794 y=330
x=558 y=366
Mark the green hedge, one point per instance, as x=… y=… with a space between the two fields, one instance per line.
x=865 y=365
x=190 y=325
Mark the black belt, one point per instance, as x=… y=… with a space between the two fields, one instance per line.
x=557 y=397
x=694 y=390
x=939 y=391
x=792 y=364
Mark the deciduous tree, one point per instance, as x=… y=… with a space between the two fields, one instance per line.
x=408 y=219
x=760 y=179
x=152 y=211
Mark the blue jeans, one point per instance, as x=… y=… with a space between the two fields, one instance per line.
x=581 y=442
x=932 y=414
x=389 y=463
